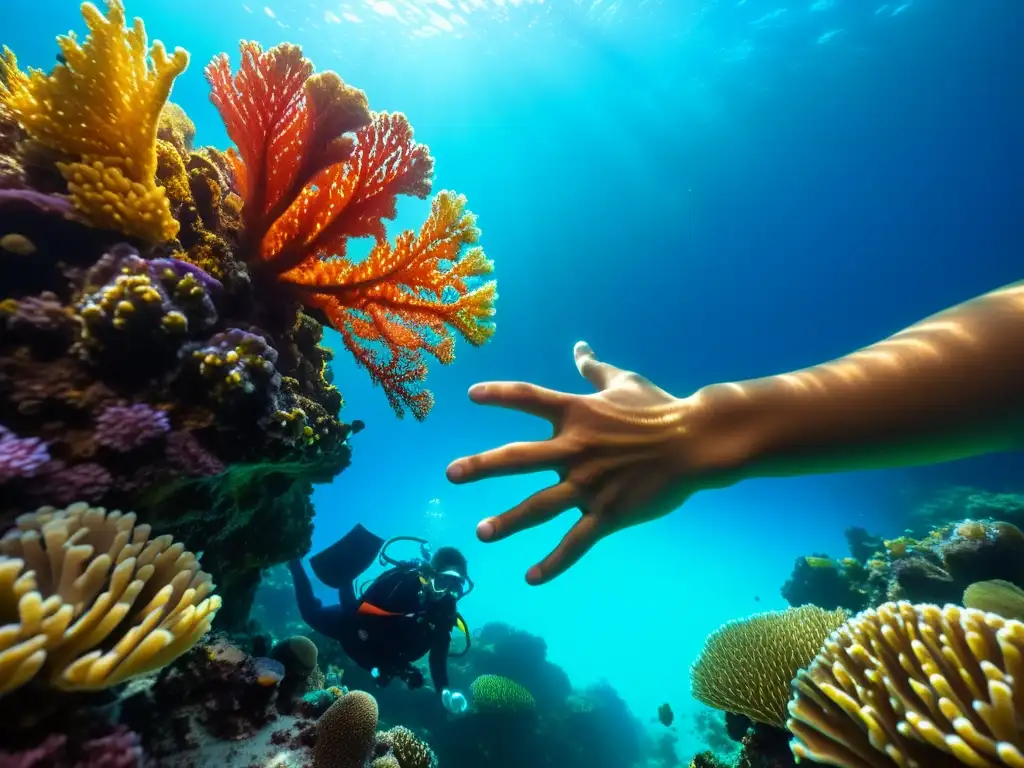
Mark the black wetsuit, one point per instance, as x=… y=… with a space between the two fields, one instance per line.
x=389 y=643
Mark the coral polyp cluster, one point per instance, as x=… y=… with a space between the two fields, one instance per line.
x=162 y=305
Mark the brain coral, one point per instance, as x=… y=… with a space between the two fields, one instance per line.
x=497 y=694
x=346 y=733
x=746 y=666
x=88 y=600
x=914 y=686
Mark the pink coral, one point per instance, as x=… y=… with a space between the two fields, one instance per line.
x=187 y=455
x=20 y=456
x=126 y=427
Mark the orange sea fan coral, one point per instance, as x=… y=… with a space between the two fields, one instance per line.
x=308 y=186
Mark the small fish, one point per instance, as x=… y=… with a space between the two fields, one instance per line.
x=17 y=244
x=665 y=715
x=61 y=59
x=757 y=598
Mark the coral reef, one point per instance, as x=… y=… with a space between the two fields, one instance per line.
x=88 y=600
x=746 y=665
x=953 y=504
x=161 y=304
x=591 y=727
x=827 y=583
x=913 y=685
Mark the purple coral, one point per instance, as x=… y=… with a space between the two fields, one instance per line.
x=59 y=484
x=180 y=269
x=121 y=748
x=43 y=313
x=128 y=296
x=187 y=455
x=239 y=362
x=126 y=427
x=20 y=456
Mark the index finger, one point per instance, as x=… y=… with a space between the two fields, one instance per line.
x=511 y=459
x=520 y=396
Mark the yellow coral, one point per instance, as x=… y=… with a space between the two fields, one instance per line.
x=746 y=666
x=88 y=600
x=102 y=107
x=914 y=686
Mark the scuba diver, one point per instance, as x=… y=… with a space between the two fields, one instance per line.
x=407 y=612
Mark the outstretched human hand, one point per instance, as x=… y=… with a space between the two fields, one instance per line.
x=624 y=455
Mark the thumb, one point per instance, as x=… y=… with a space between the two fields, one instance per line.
x=593 y=370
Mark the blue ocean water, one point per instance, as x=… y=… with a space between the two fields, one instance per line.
x=704 y=191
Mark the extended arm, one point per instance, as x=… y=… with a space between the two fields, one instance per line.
x=948 y=387
x=439 y=662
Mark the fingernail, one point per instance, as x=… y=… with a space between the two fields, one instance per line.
x=534 y=575
x=485 y=530
x=477 y=390
x=455 y=471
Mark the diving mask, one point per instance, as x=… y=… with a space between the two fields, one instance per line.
x=452 y=583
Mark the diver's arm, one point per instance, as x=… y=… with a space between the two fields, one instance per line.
x=439 y=661
x=321 y=619
x=949 y=387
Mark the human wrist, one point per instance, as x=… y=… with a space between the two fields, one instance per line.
x=733 y=430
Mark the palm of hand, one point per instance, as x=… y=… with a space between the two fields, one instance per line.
x=614 y=451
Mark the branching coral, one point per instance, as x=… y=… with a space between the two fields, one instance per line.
x=408 y=751
x=88 y=600
x=111 y=81
x=308 y=188
x=914 y=686
x=746 y=666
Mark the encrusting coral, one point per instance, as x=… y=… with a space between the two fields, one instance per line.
x=100 y=108
x=913 y=686
x=746 y=665
x=88 y=600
